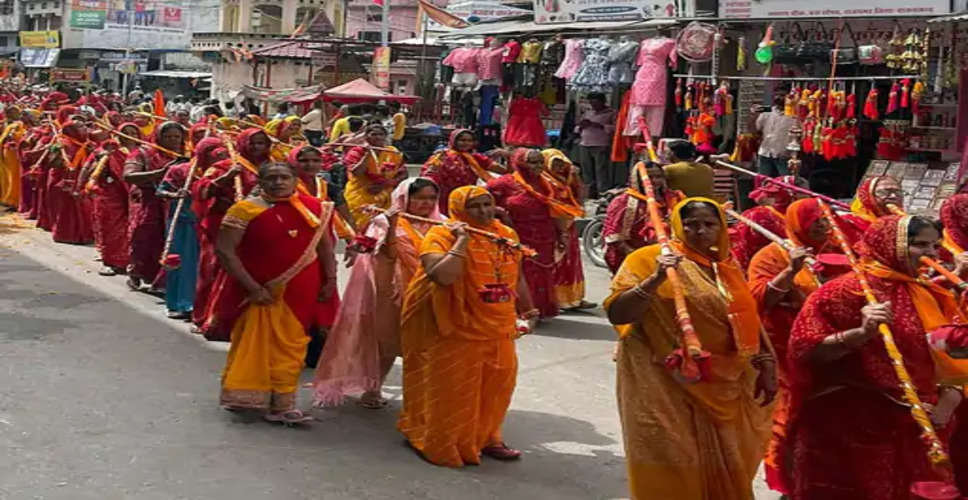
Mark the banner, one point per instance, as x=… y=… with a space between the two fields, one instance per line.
x=569 y=11
x=70 y=75
x=38 y=57
x=757 y=9
x=40 y=39
x=381 y=68
x=88 y=14
x=473 y=11
x=441 y=16
x=146 y=16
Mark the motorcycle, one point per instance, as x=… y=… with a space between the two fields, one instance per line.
x=592 y=241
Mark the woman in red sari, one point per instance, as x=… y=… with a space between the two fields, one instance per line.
x=458 y=165
x=277 y=250
x=627 y=225
x=569 y=274
x=69 y=213
x=846 y=402
x=780 y=282
x=772 y=201
x=104 y=178
x=219 y=187
x=539 y=219
x=33 y=179
x=143 y=170
x=872 y=200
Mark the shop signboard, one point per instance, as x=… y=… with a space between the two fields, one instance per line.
x=70 y=75
x=792 y=9
x=476 y=11
x=88 y=14
x=569 y=11
x=38 y=57
x=40 y=39
x=145 y=16
x=381 y=67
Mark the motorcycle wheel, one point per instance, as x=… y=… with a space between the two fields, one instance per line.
x=592 y=243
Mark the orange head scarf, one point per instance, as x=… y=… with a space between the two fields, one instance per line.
x=730 y=279
x=866 y=204
x=457 y=203
x=800 y=215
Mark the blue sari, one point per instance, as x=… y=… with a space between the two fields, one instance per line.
x=180 y=282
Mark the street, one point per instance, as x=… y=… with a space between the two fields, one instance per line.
x=105 y=398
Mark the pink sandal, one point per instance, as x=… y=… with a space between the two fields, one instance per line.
x=288 y=417
x=500 y=451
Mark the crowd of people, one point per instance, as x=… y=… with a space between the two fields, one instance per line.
x=735 y=347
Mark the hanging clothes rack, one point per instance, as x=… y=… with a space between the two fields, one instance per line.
x=794 y=78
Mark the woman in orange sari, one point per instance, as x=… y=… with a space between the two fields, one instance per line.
x=277 y=250
x=691 y=441
x=374 y=169
x=780 y=282
x=458 y=326
x=10 y=170
x=772 y=201
x=846 y=401
x=365 y=340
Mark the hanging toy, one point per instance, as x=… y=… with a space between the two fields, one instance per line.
x=803 y=104
x=741 y=54
x=906 y=93
x=678 y=94
x=916 y=93
x=892 y=98
x=870 y=105
x=720 y=98
x=764 y=51
x=852 y=106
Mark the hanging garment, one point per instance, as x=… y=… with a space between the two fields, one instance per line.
x=574 y=55
x=592 y=76
x=524 y=126
x=655 y=57
x=621 y=56
x=489 y=94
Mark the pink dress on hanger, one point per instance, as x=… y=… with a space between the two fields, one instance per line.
x=574 y=55
x=524 y=123
x=649 y=91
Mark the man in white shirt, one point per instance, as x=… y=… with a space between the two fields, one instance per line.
x=312 y=124
x=775 y=127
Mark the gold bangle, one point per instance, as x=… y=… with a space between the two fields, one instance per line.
x=455 y=253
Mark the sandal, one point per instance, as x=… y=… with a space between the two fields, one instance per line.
x=288 y=417
x=134 y=284
x=179 y=315
x=372 y=402
x=500 y=451
x=583 y=306
x=107 y=271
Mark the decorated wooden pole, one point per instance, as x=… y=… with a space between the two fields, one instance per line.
x=775 y=238
x=937 y=455
x=139 y=141
x=785 y=185
x=172 y=261
x=496 y=238
x=685 y=358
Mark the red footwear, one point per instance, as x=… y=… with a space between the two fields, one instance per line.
x=500 y=451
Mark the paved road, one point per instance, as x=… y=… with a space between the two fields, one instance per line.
x=107 y=399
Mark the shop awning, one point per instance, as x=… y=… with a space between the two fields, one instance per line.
x=961 y=16
x=360 y=90
x=164 y=73
x=291 y=95
x=529 y=26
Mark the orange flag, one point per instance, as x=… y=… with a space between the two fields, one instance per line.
x=159 y=103
x=441 y=16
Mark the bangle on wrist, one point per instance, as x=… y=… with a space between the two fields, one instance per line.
x=770 y=284
x=761 y=359
x=456 y=253
x=641 y=292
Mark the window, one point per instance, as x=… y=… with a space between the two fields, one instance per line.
x=377 y=18
x=371 y=36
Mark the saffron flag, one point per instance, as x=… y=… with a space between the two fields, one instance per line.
x=441 y=16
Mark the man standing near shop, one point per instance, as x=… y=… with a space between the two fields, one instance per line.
x=596 y=127
x=312 y=124
x=775 y=127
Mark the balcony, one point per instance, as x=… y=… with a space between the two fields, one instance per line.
x=216 y=41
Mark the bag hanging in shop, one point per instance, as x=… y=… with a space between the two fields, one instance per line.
x=696 y=42
x=845 y=55
x=816 y=44
x=785 y=52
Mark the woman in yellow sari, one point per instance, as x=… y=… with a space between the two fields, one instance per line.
x=458 y=326
x=9 y=158
x=374 y=169
x=285 y=132
x=691 y=440
x=277 y=249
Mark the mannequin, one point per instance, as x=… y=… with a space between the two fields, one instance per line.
x=511 y=50
x=489 y=72
x=621 y=56
x=465 y=62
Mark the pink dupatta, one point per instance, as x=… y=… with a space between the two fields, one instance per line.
x=367 y=325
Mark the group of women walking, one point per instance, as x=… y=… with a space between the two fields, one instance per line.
x=795 y=369
x=840 y=339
